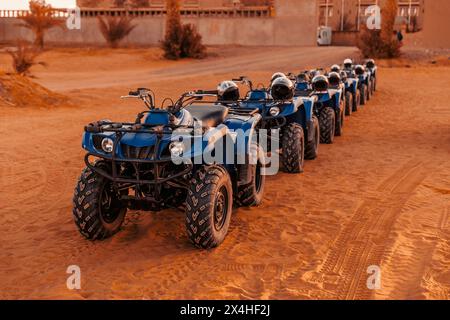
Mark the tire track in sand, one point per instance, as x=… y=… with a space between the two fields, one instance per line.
x=362 y=242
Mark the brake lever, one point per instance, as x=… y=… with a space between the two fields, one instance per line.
x=129 y=97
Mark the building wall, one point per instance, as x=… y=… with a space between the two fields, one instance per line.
x=436 y=24
x=294 y=23
x=350 y=9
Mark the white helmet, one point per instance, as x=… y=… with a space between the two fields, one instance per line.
x=277 y=75
x=335 y=68
x=228 y=91
x=348 y=63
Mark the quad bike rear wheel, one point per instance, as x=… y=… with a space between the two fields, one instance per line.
x=327 y=120
x=97 y=209
x=312 y=147
x=208 y=206
x=293 y=145
x=251 y=194
x=363 y=98
x=372 y=86
x=348 y=103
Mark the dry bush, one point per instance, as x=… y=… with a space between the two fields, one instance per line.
x=381 y=43
x=24 y=57
x=181 y=41
x=39 y=20
x=114 y=29
x=191 y=43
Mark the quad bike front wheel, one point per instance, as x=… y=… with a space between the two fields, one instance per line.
x=340 y=123
x=208 y=206
x=363 y=98
x=369 y=90
x=327 y=121
x=356 y=100
x=97 y=209
x=293 y=145
x=348 y=103
x=251 y=194
x=312 y=147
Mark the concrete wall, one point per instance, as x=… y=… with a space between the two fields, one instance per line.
x=294 y=23
x=345 y=38
x=437 y=24
x=149 y=31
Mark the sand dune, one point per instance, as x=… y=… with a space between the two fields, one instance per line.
x=379 y=196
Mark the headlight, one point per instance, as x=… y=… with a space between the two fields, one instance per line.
x=274 y=111
x=176 y=149
x=107 y=145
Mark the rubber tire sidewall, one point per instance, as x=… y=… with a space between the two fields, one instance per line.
x=204 y=188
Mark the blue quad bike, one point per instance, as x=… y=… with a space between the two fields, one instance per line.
x=152 y=164
x=364 y=81
x=351 y=90
x=372 y=68
x=294 y=118
x=327 y=100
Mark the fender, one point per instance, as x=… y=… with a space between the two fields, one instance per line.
x=242 y=124
x=308 y=106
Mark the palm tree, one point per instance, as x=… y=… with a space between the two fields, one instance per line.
x=39 y=20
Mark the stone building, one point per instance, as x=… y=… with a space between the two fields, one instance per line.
x=348 y=15
x=161 y=3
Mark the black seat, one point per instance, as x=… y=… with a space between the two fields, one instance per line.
x=210 y=114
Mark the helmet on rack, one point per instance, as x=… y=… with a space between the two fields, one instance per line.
x=320 y=83
x=228 y=91
x=335 y=68
x=370 y=63
x=348 y=63
x=334 y=79
x=359 y=70
x=282 y=89
x=276 y=76
x=303 y=77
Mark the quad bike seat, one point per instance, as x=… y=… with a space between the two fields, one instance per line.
x=211 y=115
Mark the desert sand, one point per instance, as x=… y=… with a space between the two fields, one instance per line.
x=380 y=195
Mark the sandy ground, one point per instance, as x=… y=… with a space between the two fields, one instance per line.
x=379 y=196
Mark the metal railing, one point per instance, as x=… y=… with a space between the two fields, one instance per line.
x=59 y=13
x=247 y=12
